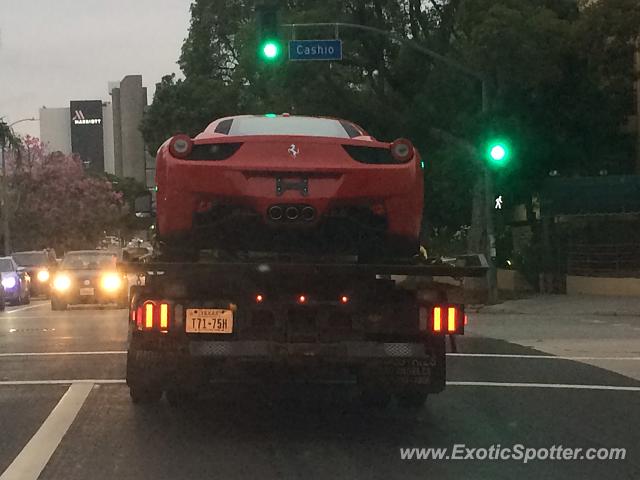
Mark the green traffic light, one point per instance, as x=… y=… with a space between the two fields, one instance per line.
x=270 y=50
x=498 y=152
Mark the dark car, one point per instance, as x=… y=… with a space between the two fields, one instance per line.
x=39 y=265
x=88 y=277
x=15 y=281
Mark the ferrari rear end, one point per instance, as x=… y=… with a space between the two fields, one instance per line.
x=290 y=184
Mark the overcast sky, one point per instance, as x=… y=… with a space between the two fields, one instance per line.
x=54 y=51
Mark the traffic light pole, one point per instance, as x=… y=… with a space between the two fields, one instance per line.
x=484 y=188
x=490 y=237
x=4 y=200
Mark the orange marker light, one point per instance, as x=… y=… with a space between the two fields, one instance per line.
x=437 y=319
x=451 y=319
x=259 y=298
x=148 y=315
x=164 y=316
x=302 y=299
x=466 y=320
x=344 y=299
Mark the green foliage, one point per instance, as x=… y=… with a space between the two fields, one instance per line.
x=560 y=82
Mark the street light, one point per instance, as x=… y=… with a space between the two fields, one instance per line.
x=4 y=201
x=31 y=119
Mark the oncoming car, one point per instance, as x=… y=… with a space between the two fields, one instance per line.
x=16 y=282
x=289 y=184
x=38 y=264
x=88 y=277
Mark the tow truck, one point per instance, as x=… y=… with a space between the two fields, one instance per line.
x=383 y=326
x=288 y=246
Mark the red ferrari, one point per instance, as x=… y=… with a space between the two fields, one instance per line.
x=290 y=184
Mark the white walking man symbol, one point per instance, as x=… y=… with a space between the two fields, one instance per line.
x=499 y=203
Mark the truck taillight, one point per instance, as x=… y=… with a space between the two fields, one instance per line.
x=153 y=315
x=447 y=319
x=149 y=308
x=164 y=317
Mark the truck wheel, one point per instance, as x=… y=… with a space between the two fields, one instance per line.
x=177 y=396
x=412 y=397
x=144 y=375
x=144 y=394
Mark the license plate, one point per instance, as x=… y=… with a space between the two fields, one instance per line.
x=209 y=320
x=86 y=291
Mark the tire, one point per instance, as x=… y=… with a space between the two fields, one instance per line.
x=144 y=394
x=3 y=304
x=178 y=396
x=27 y=300
x=144 y=375
x=412 y=397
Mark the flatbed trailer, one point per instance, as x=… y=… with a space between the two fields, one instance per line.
x=383 y=326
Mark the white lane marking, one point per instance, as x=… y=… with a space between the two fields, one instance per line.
x=34 y=456
x=27 y=308
x=540 y=357
x=46 y=354
x=91 y=381
x=120 y=381
x=544 y=385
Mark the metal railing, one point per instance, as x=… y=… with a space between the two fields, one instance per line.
x=604 y=260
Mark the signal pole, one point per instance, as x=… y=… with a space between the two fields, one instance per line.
x=483 y=191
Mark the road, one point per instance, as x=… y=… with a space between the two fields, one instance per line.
x=65 y=412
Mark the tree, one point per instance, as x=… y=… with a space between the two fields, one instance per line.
x=56 y=204
x=561 y=77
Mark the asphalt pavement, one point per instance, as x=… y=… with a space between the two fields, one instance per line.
x=526 y=375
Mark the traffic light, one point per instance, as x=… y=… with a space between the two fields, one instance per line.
x=498 y=152
x=269 y=46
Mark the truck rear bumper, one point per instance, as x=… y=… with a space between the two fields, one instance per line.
x=394 y=364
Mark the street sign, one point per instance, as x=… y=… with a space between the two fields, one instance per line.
x=315 y=50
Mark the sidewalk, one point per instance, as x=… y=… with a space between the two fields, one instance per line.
x=567 y=305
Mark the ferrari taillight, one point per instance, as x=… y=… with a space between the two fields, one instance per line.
x=402 y=150
x=180 y=145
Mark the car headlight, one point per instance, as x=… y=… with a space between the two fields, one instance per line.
x=61 y=283
x=43 y=276
x=9 y=282
x=111 y=282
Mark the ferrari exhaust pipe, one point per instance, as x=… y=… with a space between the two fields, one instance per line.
x=308 y=214
x=275 y=213
x=292 y=213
